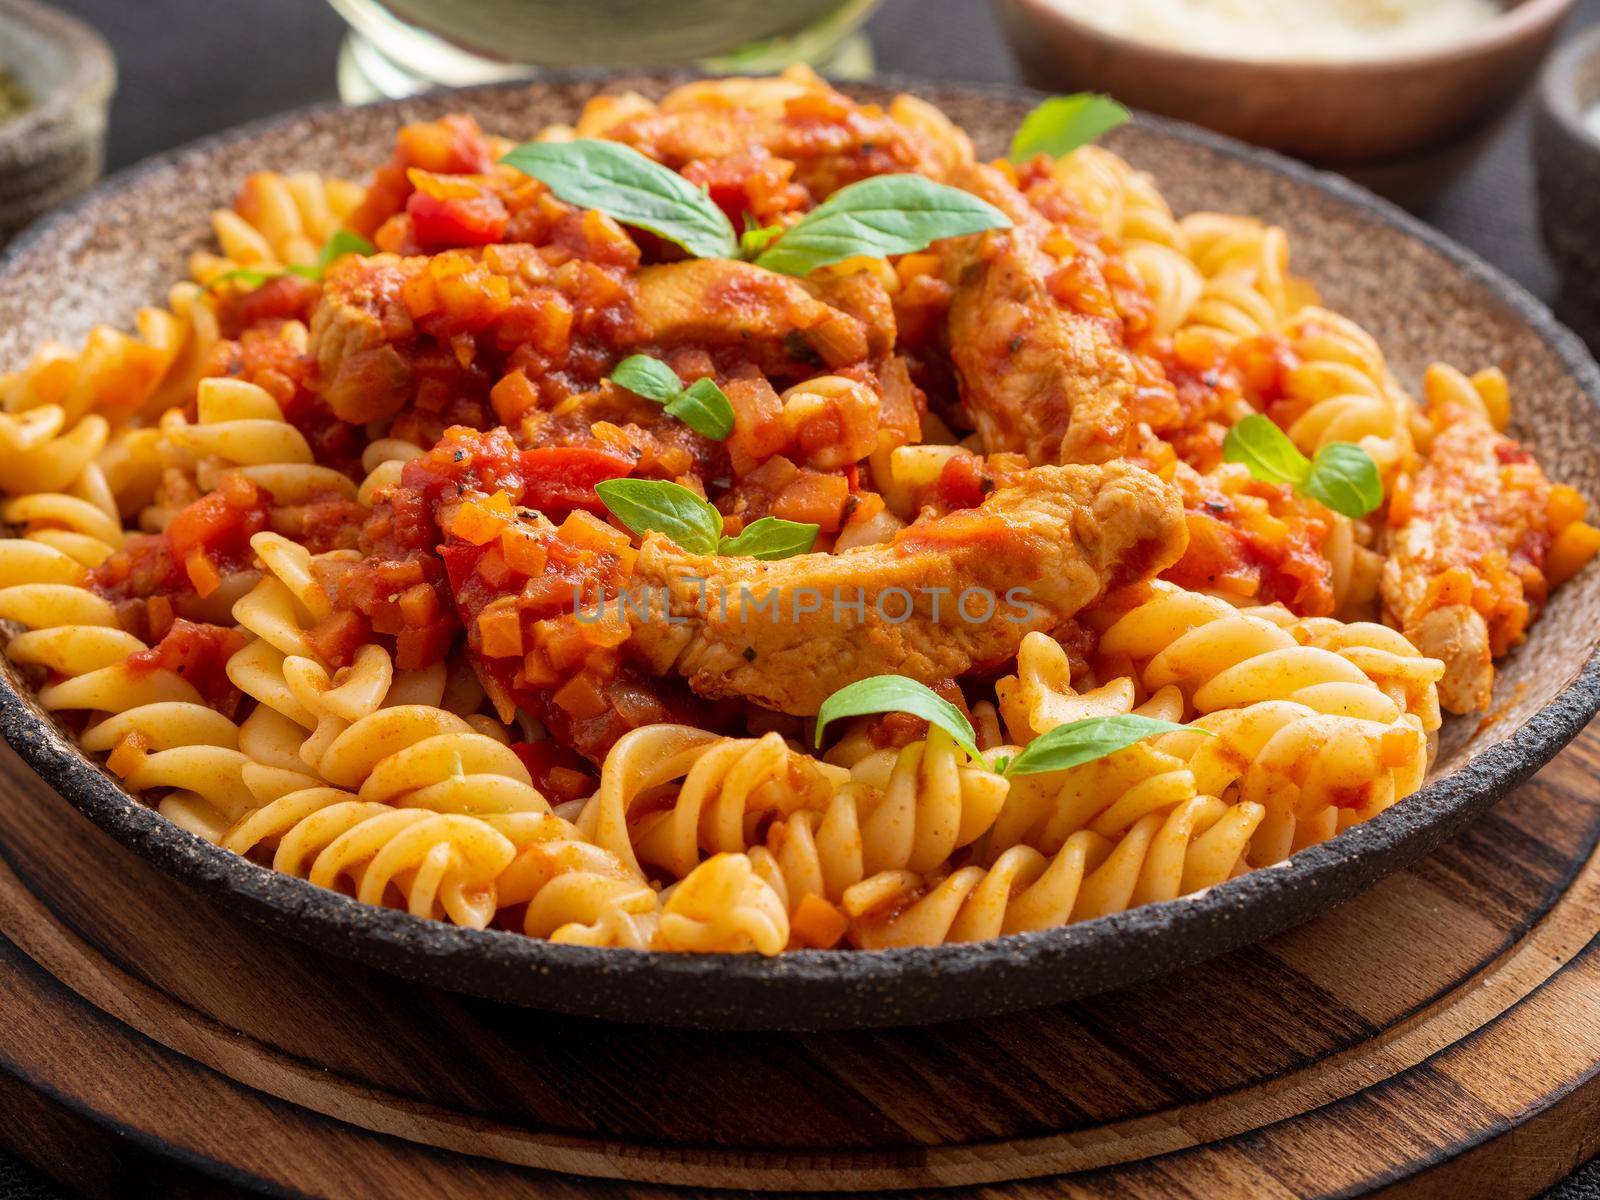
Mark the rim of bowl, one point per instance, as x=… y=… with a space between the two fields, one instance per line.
x=1525 y=20
x=1558 y=87
x=415 y=947
x=88 y=82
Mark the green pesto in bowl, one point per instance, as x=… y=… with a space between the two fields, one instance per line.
x=14 y=97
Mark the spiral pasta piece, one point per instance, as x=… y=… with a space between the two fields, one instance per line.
x=1165 y=855
x=723 y=906
x=905 y=810
x=1341 y=391
x=441 y=865
x=277 y=220
x=726 y=784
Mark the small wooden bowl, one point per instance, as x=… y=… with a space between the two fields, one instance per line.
x=54 y=149
x=1402 y=124
x=1567 y=158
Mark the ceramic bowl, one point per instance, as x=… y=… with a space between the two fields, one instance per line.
x=1404 y=124
x=54 y=149
x=1566 y=151
x=1420 y=295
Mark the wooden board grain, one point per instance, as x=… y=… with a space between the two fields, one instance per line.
x=1439 y=1036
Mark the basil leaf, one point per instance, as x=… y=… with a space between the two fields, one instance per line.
x=341 y=242
x=1266 y=450
x=624 y=184
x=757 y=238
x=1078 y=742
x=647 y=377
x=771 y=538
x=655 y=505
x=245 y=275
x=896 y=693
x=886 y=214
x=1344 y=477
x=704 y=408
x=1061 y=124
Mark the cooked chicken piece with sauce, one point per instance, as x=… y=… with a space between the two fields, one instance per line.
x=770 y=632
x=1036 y=378
x=354 y=334
x=772 y=319
x=1463 y=577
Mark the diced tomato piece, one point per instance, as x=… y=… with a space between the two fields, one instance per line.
x=560 y=478
x=337 y=638
x=279 y=298
x=559 y=773
x=199 y=653
x=437 y=224
x=961 y=482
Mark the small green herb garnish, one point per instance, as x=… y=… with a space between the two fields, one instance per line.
x=690 y=520
x=702 y=406
x=771 y=538
x=757 y=238
x=339 y=243
x=1342 y=475
x=896 y=693
x=886 y=214
x=646 y=505
x=1078 y=742
x=624 y=184
x=1063 y=123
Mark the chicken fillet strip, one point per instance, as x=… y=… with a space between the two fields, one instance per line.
x=946 y=596
x=1036 y=378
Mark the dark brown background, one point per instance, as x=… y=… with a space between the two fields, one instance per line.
x=190 y=67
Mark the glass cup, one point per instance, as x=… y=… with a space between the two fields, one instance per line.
x=400 y=47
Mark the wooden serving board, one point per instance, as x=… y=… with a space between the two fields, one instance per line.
x=1439 y=1036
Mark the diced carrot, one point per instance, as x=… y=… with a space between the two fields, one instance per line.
x=562 y=642
x=588 y=531
x=1572 y=549
x=492 y=567
x=443 y=187
x=1566 y=506
x=814 y=498
x=418 y=648
x=523 y=551
x=912 y=265
x=419 y=295
x=1451 y=587
x=419 y=605
x=1401 y=496
x=581 y=696
x=536 y=670
x=564 y=781
x=500 y=631
x=1396 y=748
x=512 y=397
x=129 y=752
x=399 y=573
x=816 y=923
x=477 y=523
x=611 y=629
x=160 y=614
x=337 y=638
x=202 y=573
